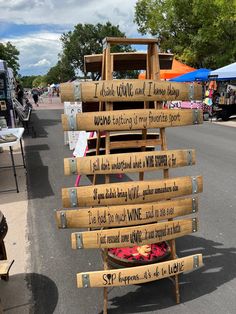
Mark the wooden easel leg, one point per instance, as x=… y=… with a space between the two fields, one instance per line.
x=105 y=290
x=177 y=293
x=108 y=69
x=172 y=242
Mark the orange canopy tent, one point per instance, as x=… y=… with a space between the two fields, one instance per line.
x=178 y=69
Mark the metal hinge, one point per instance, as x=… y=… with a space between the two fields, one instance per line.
x=191 y=92
x=72 y=122
x=63 y=219
x=77 y=91
x=73 y=165
x=195 y=261
x=194 y=225
x=194 y=205
x=194 y=185
x=85 y=281
x=189 y=157
x=73 y=197
x=79 y=240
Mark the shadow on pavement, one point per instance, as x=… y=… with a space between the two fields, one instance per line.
x=21 y=294
x=40 y=124
x=37 y=179
x=219 y=268
x=44 y=291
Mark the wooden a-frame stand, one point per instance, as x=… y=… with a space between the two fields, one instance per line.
x=143 y=196
x=152 y=72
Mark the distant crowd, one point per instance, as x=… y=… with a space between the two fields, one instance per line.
x=49 y=91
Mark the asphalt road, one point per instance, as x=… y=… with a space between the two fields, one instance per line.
x=211 y=289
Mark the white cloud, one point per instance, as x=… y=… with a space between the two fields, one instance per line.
x=36 y=47
x=41 y=63
x=38 y=52
x=70 y=12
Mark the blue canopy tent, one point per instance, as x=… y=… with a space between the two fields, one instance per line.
x=199 y=75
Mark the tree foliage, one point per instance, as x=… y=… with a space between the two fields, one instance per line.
x=27 y=81
x=201 y=33
x=39 y=81
x=10 y=54
x=87 y=39
x=61 y=72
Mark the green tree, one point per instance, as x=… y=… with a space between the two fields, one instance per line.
x=10 y=54
x=61 y=72
x=87 y=39
x=39 y=81
x=202 y=33
x=27 y=81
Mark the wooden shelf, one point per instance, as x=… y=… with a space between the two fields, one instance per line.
x=126 y=61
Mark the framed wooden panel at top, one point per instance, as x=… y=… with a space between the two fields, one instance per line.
x=129 y=162
x=139 y=274
x=130 y=90
x=126 y=61
x=130 y=192
x=125 y=215
x=132 y=236
x=138 y=119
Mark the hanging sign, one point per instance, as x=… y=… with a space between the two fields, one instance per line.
x=132 y=236
x=130 y=192
x=119 y=120
x=129 y=162
x=125 y=215
x=130 y=90
x=139 y=274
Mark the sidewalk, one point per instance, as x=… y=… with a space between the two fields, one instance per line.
x=48 y=103
x=16 y=295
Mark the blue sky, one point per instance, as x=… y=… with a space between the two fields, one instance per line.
x=35 y=26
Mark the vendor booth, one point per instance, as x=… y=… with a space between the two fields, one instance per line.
x=224 y=97
x=177 y=69
x=227 y=72
x=200 y=75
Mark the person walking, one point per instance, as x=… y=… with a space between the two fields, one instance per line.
x=35 y=95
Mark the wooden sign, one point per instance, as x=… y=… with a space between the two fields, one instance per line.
x=130 y=192
x=125 y=215
x=131 y=236
x=131 y=119
x=130 y=90
x=132 y=162
x=139 y=274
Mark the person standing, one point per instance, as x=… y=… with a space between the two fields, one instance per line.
x=19 y=92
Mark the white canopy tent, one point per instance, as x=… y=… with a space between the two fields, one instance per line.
x=227 y=72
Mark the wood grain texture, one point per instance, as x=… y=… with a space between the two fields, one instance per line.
x=131 y=192
x=129 y=90
x=139 y=274
x=132 y=236
x=139 y=119
x=129 y=162
x=125 y=215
